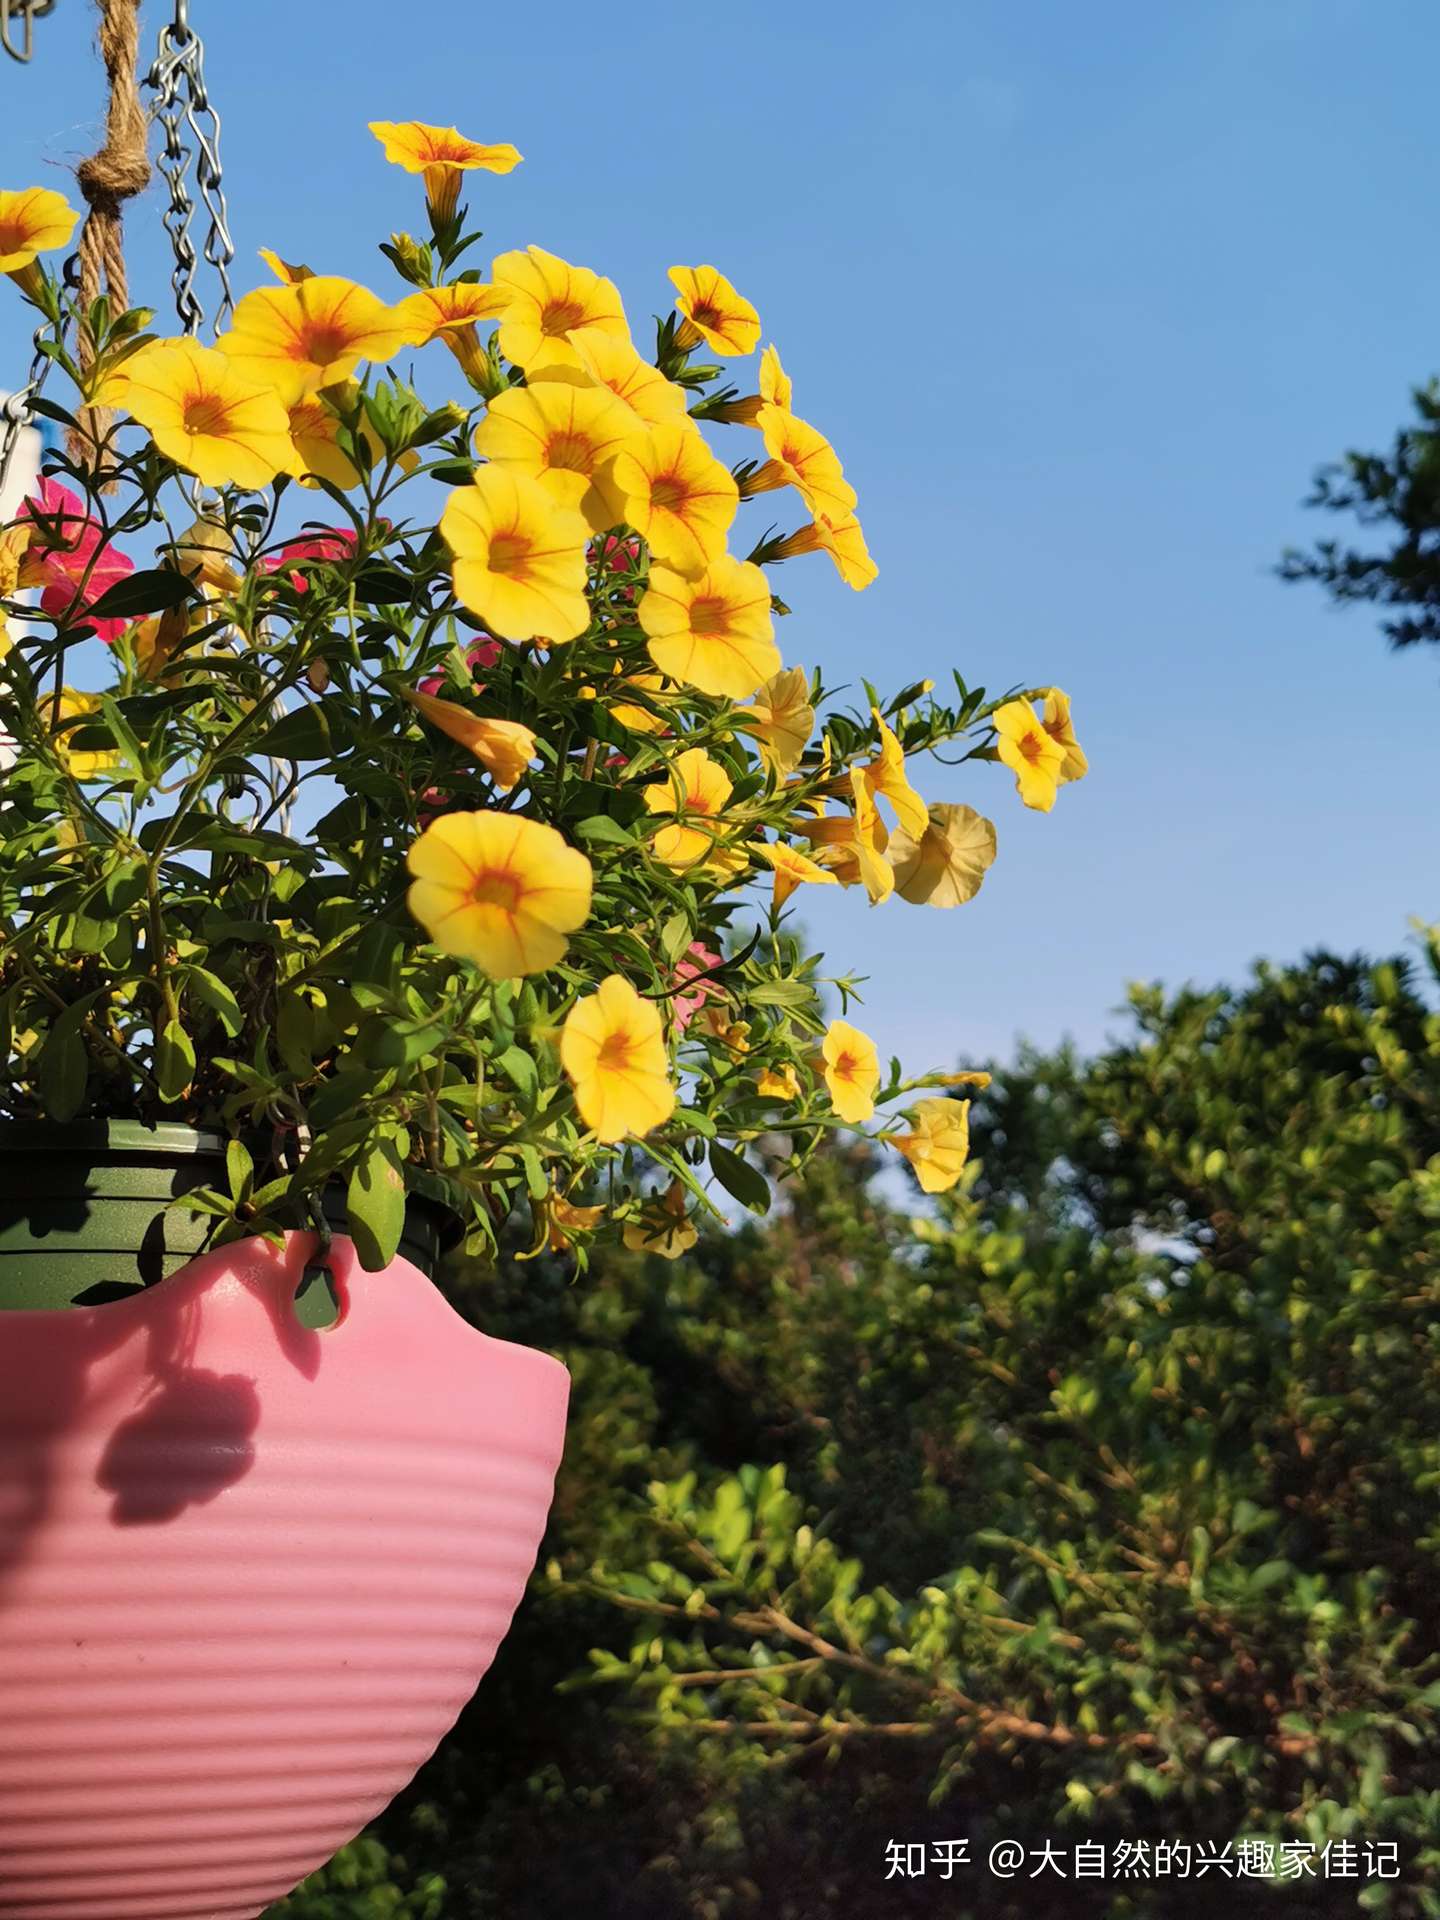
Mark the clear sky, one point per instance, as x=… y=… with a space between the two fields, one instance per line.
x=1081 y=294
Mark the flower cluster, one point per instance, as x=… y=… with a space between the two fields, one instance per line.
x=449 y=844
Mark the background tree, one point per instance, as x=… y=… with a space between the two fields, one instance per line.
x=1097 y=1503
x=1397 y=495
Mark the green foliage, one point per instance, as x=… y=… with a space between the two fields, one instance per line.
x=1398 y=494
x=1098 y=1503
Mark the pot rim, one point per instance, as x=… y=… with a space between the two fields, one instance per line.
x=100 y=1136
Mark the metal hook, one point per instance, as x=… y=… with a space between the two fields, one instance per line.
x=29 y=12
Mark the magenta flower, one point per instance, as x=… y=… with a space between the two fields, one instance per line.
x=479 y=658
x=697 y=961
x=332 y=544
x=70 y=558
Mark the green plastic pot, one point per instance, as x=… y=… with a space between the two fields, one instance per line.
x=84 y=1220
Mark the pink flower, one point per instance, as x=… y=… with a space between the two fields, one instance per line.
x=70 y=558
x=483 y=654
x=697 y=961
x=331 y=545
x=431 y=804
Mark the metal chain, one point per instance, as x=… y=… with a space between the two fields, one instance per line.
x=27 y=12
x=183 y=106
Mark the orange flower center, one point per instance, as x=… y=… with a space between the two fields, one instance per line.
x=667 y=490
x=13 y=235
x=846 y=1067
x=205 y=413
x=571 y=452
x=705 y=314
x=615 y=1050
x=559 y=316
x=1032 y=745
x=321 y=344
x=496 y=888
x=508 y=552
x=709 y=615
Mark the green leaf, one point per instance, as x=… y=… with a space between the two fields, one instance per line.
x=520 y=1070
x=211 y=989
x=601 y=830
x=376 y=1203
x=174 y=1061
x=338 y=1097
x=739 y=1179
x=152 y=590
x=64 y=1067
x=317 y=731
x=240 y=1167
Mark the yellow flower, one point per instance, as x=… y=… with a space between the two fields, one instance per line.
x=714 y=312
x=549 y=299
x=782 y=719
x=453 y=314
x=311 y=334
x=613 y=1048
x=664 y=1228
x=519 y=556
x=565 y=437
x=714 y=632
x=1028 y=750
x=938 y=1144
x=793 y=869
x=697 y=789
x=559 y=1223
x=886 y=775
x=678 y=496
x=854 y=844
x=611 y=361
x=843 y=541
x=801 y=457
x=776 y=387
x=442 y=154
x=14 y=540
x=84 y=763
x=498 y=889
x=503 y=747
x=852 y=1071
x=637 y=718
x=944 y=866
x=315 y=429
x=778 y=1083
x=34 y=220
x=285 y=271
x=1057 y=723
x=205 y=414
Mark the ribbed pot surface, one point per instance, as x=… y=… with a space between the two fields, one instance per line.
x=249 y=1573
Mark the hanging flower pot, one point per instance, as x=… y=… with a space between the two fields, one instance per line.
x=249 y=1570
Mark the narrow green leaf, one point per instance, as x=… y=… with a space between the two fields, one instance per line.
x=376 y=1203
x=739 y=1179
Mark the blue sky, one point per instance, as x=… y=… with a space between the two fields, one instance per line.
x=1081 y=295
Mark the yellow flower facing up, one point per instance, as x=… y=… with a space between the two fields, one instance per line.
x=801 y=457
x=852 y=1071
x=885 y=775
x=611 y=361
x=714 y=312
x=714 y=632
x=793 y=869
x=285 y=271
x=34 y=220
x=498 y=889
x=1055 y=718
x=697 y=789
x=315 y=429
x=503 y=747
x=1031 y=755
x=778 y=1083
x=519 y=556
x=442 y=155
x=938 y=1144
x=781 y=719
x=453 y=314
x=549 y=299
x=205 y=414
x=664 y=1227
x=565 y=437
x=676 y=494
x=945 y=865
x=843 y=540
x=612 y=1046
x=74 y=709
x=310 y=334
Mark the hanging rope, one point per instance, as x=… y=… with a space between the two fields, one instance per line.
x=109 y=178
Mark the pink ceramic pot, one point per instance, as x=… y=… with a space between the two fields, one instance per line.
x=249 y=1574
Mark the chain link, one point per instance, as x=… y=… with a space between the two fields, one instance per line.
x=182 y=107
x=27 y=12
